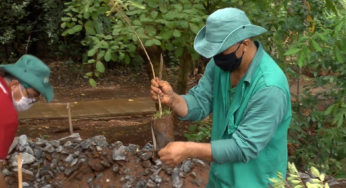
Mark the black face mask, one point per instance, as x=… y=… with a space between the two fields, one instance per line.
x=228 y=62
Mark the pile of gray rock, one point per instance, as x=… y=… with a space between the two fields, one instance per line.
x=72 y=161
x=94 y=163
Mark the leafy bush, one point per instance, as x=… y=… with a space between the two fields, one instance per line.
x=295 y=180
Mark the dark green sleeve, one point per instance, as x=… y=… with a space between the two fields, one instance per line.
x=200 y=98
x=263 y=114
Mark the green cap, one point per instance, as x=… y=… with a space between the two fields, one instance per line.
x=33 y=72
x=224 y=28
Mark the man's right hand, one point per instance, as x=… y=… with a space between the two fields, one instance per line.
x=163 y=89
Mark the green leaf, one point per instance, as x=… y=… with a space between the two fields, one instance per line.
x=184 y=24
x=149 y=43
x=115 y=47
x=154 y=14
x=97 y=74
x=94 y=15
x=316 y=45
x=104 y=44
x=151 y=31
x=63 y=25
x=193 y=127
x=179 y=51
x=331 y=6
x=114 y=57
x=179 y=7
x=169 y=46
x=338 y=55
x=342 y=2
x=108 y=37
x=65 y=19
x=100 y=67
x=89 y=27
x=77 y=28
x=64 y=33
x=89 y=74
x=92 y=82
x=322 y=37
x=194 y=28
x=74 y=19
x=92 y=52
x=127 y=59
x=137 y=5
x=131 y=47
x=195 y=56
x=340 y=121
x=292 y=51
x=108 y=55
x=143 y=18
x=86 y=14
x=166 y=35
x=156 y=42
x=137 y=22
x=122 y=55
x=329 y=110
x=163 y=7
x=91 y=61
x=176 y=33
x=101 y=54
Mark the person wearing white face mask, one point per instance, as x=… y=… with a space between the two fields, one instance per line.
x=20 y=87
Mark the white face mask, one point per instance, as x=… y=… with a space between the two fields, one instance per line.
x=23 y=104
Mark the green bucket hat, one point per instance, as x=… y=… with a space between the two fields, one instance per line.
x=31 y=71
x=224 y=28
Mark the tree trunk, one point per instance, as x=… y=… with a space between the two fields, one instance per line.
x=154 y=53
x=185 y=66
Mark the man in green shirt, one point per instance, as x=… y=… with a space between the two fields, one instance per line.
x=249 y=97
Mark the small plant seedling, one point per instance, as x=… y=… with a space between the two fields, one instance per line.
x=161 y=127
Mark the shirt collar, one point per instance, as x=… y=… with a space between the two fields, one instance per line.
x=254 y=63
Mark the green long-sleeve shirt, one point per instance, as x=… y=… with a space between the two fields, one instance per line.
x=249 y=134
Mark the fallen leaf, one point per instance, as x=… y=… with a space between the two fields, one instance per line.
x=130 y=100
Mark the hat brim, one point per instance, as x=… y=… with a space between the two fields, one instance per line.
x=209 y=49
x=31 y=80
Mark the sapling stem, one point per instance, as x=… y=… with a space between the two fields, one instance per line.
x=160 y=76
x=145 y=51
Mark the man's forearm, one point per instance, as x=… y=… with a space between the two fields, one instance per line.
x=200 y=150
x=178 y=105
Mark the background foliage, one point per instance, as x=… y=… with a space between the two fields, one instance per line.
x=305 y=37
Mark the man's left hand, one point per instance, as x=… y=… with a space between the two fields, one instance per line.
x=174 y=153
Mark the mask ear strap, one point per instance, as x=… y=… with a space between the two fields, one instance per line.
x=239 y=46
x=20 y=89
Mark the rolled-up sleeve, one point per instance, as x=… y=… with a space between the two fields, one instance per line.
x=199 y=100
x=263 y=114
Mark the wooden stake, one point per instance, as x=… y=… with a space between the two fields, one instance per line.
x=160 y=76
x=69 y=117
x=19 y=166
x=154 y=138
